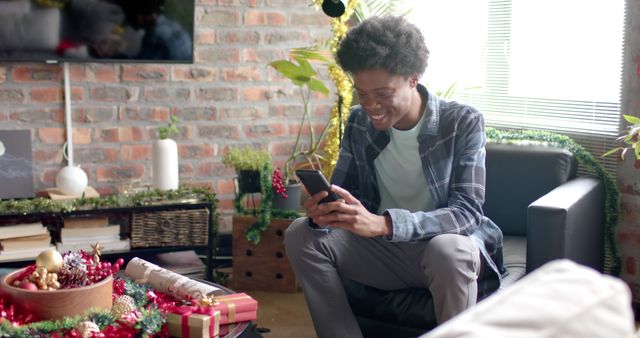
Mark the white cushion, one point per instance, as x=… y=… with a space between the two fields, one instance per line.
x=560 y=299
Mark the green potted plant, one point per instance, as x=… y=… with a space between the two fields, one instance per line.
x=248 y=163
x=254 y=170
x=165 y=157
x=303 y=154
x=631 y=139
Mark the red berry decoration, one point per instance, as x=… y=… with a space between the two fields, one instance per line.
x=277 y=185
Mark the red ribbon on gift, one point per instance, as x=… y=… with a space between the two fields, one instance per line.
x=185 y=311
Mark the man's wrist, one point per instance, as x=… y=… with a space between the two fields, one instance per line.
x=388 y=224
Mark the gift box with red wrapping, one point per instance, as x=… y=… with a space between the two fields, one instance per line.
x=236 y=307
x=194 y=322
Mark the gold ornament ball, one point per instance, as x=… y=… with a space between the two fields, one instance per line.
x=122 y=305
x=86 y=328
x=50 y=259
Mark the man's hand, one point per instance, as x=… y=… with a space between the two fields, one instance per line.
x=348 y=214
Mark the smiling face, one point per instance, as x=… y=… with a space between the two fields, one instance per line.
x=389 y=100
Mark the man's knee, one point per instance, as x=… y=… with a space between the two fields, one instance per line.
x=450 y=253
x=294 y=234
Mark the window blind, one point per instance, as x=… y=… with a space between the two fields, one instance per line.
x=547 y=64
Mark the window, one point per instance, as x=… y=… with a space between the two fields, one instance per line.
x=547 y=64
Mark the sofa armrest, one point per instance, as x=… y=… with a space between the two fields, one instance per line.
x=567 y=222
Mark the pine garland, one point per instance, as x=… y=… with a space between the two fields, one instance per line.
x=37 y=329
x=125 y=200
x=101 y=318
x=254 y=231
x=151 y=321
x=612 y=260
x=136 y=291
x=265 y=212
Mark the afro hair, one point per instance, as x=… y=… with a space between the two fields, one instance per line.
x=390 y=43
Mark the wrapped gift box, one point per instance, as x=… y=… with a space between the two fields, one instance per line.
x=186 y=322
x=236 y=307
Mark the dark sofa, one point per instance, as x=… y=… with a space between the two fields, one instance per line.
x=545 y=213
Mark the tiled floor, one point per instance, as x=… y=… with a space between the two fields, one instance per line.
x=284 y=314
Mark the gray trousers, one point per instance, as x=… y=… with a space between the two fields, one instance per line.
x=447 y=265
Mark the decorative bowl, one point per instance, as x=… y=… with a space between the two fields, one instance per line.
x=48 y=305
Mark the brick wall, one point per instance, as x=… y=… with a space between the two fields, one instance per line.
x=228 y=96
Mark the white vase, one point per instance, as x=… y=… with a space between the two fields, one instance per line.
x=165 y=164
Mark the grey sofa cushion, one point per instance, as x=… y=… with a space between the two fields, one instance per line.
x=517 y=176
x=514 y=254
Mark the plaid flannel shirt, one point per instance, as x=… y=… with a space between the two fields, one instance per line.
x=452 y=152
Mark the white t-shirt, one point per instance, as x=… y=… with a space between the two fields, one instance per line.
x=401 y=180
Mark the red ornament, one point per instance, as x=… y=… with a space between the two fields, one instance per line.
x=26 y=273
x=118 y=287
x=27 y=285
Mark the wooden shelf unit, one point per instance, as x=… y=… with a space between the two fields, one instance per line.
x=123 y=216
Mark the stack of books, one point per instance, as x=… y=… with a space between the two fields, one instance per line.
x=186 y=263
x=23 y=241
x=79 y=233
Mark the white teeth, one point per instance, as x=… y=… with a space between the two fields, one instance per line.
x=376 y=117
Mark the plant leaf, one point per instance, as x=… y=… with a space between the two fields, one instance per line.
x=318 y=86
x=632 y=119
x=312 y=53
x=291 y=71
x=305 y=68
x=612 y=151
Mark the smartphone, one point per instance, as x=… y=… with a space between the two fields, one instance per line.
x=315 y=182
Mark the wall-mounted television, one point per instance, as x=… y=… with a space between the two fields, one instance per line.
x=158 y=31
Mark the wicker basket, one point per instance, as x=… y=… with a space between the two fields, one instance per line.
x=170 y=228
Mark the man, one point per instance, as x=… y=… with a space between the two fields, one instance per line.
x=164 y=39
x=411 y=178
